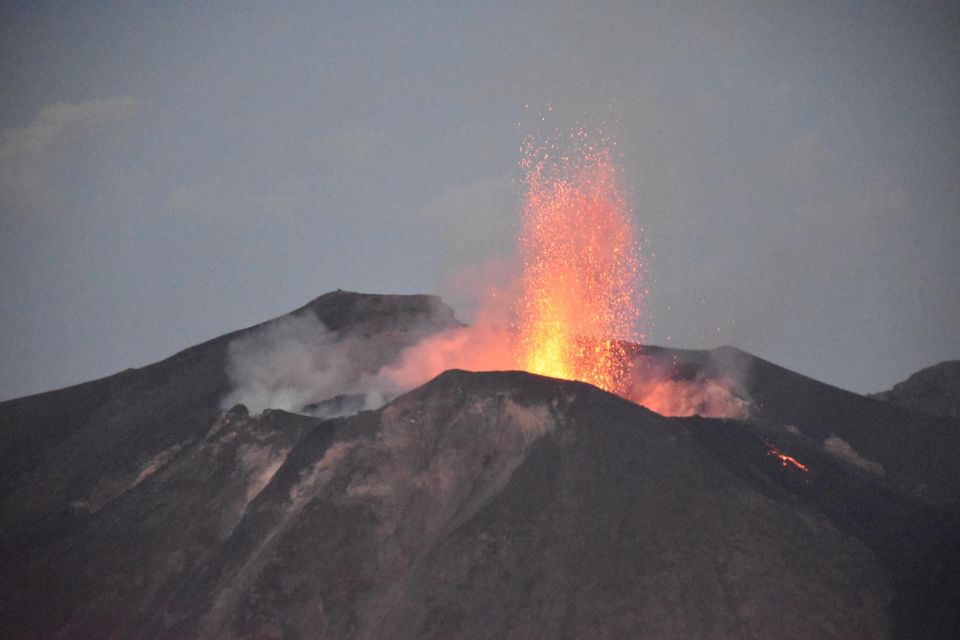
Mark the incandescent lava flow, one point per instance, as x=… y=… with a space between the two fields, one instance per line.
x=581 y=281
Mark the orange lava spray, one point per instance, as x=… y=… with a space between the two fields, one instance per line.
x=581 y=282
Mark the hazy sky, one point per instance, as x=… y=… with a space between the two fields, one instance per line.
x=173 y=171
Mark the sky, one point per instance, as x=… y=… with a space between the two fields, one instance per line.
x=170 y=172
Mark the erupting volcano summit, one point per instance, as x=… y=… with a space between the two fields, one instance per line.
x=478 y=505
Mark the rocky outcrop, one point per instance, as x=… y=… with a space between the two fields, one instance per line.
x=934 y=390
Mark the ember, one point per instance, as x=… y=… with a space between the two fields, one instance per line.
x=785 y=460
x=581 y=289
x=575 y=310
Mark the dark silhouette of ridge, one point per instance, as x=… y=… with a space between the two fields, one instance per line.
x=933 y=390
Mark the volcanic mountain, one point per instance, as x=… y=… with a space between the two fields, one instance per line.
x=478 y=505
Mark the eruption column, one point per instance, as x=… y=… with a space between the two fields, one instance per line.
x=581 y=290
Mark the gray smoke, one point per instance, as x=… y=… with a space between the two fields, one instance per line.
x=841 y=449
x=295 y=362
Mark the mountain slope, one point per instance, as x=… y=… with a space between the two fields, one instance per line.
x=933 y=390
x=915 y=451
x=87 y=442
x=480 y=505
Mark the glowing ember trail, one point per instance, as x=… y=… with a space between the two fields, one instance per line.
x=581 y=289
x=784 y=459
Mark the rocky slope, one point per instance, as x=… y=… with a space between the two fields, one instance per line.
x=480 y=505
x=913 y=450
x=933 y=390
x=72 y=444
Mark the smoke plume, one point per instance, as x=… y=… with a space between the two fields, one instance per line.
x=297 y=364
x=841 y=449
x=296 y=361
x=715 y=390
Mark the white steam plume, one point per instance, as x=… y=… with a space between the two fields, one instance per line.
x=297 y=364
x=296 y=361
x=841 y=449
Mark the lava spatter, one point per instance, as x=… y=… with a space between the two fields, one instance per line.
x=582 y=277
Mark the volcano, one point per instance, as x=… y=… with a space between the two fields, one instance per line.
x=497 y=504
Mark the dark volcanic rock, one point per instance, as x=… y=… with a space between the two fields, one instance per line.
x=70 y=452
x=55 y=444
x=916 y=451
x=933 y=390
x=481 y=505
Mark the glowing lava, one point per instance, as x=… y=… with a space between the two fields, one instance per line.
x=575 y=310
x=785 y=460
x=581 y=285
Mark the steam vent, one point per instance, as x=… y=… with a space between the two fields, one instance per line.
x=303 y=478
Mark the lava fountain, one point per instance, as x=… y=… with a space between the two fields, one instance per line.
x=581 y=279
x=576 y=305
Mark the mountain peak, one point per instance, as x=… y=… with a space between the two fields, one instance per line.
x=367 y=313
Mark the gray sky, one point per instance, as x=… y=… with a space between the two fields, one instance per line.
x=171 y=172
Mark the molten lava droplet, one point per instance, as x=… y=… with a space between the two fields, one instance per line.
x=581 y=288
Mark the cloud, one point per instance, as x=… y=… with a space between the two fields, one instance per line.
x=28 y=153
